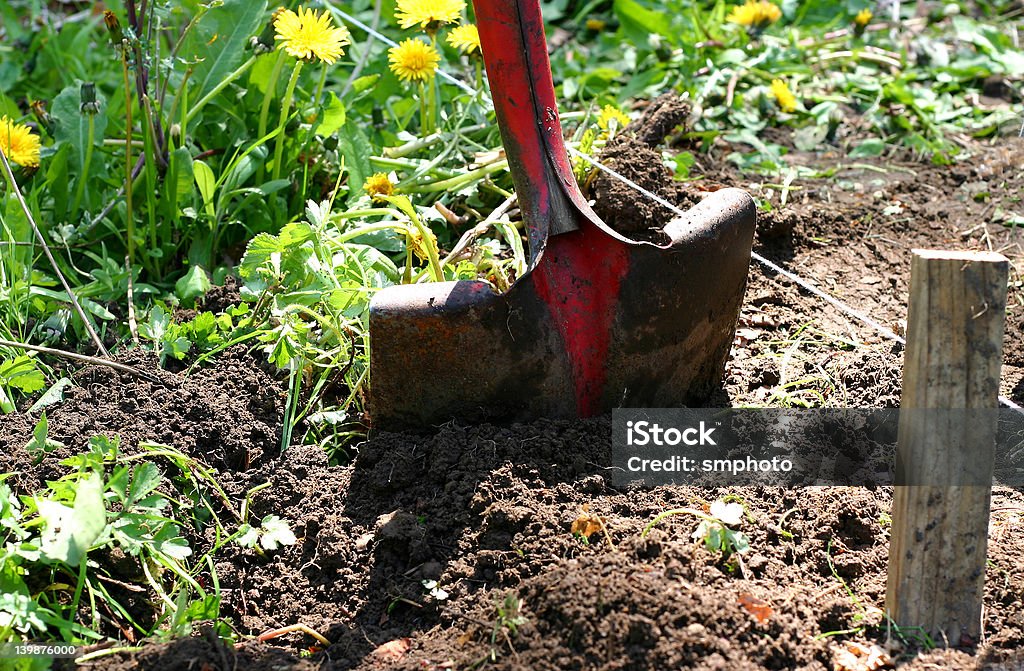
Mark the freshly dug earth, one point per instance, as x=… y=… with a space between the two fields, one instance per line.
x=633 y=154
x=486 y=512
x=454 y=550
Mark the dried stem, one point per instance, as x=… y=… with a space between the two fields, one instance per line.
x=84 y=358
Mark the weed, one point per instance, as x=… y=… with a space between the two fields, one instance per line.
x=915 y=637
x=122 y=511
x=714 y=527
x=865 y=613
x=507 y=623
x=105 y=505
x=434 y=590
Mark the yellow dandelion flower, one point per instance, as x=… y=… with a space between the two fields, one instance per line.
x=414 y=60
x=420 y=247
x=428 y=14
x=465 y=38
x=307 y=35
x=783 y=96
x=863 y=18
x=18 y=143
x=755 y=14
x=378 y=186
x=611 y=113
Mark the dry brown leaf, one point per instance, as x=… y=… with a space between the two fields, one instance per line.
x=855 y=656
x=587 y=524
x=761 y=320
x=759 y=608
x=392 y=651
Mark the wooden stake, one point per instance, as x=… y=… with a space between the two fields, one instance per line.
x=947 y=435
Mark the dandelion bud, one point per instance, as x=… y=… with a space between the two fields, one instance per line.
x=835 y=120
x=264 y=42
x=113 y=26
x=87 y=93
x=861 y=21
x=42 y=115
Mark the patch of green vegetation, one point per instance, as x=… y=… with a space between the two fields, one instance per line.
x=116 y=525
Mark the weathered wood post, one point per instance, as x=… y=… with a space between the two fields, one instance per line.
x=947 y=433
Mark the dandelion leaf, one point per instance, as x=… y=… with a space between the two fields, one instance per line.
x=219 y=39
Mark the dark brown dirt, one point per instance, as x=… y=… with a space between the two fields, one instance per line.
x=207 y=652
x=660 y=118
x=221 y=297
x=229 y=414
x=486 y=511
x=851 y=233
x=633 y=155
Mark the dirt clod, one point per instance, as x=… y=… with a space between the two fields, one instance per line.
x=633 y=154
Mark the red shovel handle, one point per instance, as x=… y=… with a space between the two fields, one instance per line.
x=515 y=53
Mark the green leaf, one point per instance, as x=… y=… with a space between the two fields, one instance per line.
x=259 y=251
x=295 y=234
x=69 y=532
x=21 y=373
x=684 y=160
x=178 y=182
x=637 y=22
x=6 y=404
x=20 y=612
x=203 y=609
x=206 y=183
x=88 y=305
x=810 y=138
x=145 y=479
x=176 y=547
x=156 y=326
x=868 y=148
x=41 y=443
x=57 y=179
x=355 y=147
x=53 y=395
x=737 y=541
x=333 y=117
x=219 y=38
x=248 y=536
x=273 y=186
x=118 y=482
x=192 y=285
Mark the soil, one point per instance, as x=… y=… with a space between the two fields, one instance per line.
x=454 y=550
x=633 y=154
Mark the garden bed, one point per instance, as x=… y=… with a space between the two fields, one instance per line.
x=454 y=549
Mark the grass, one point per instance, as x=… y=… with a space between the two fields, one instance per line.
x=179 y=147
